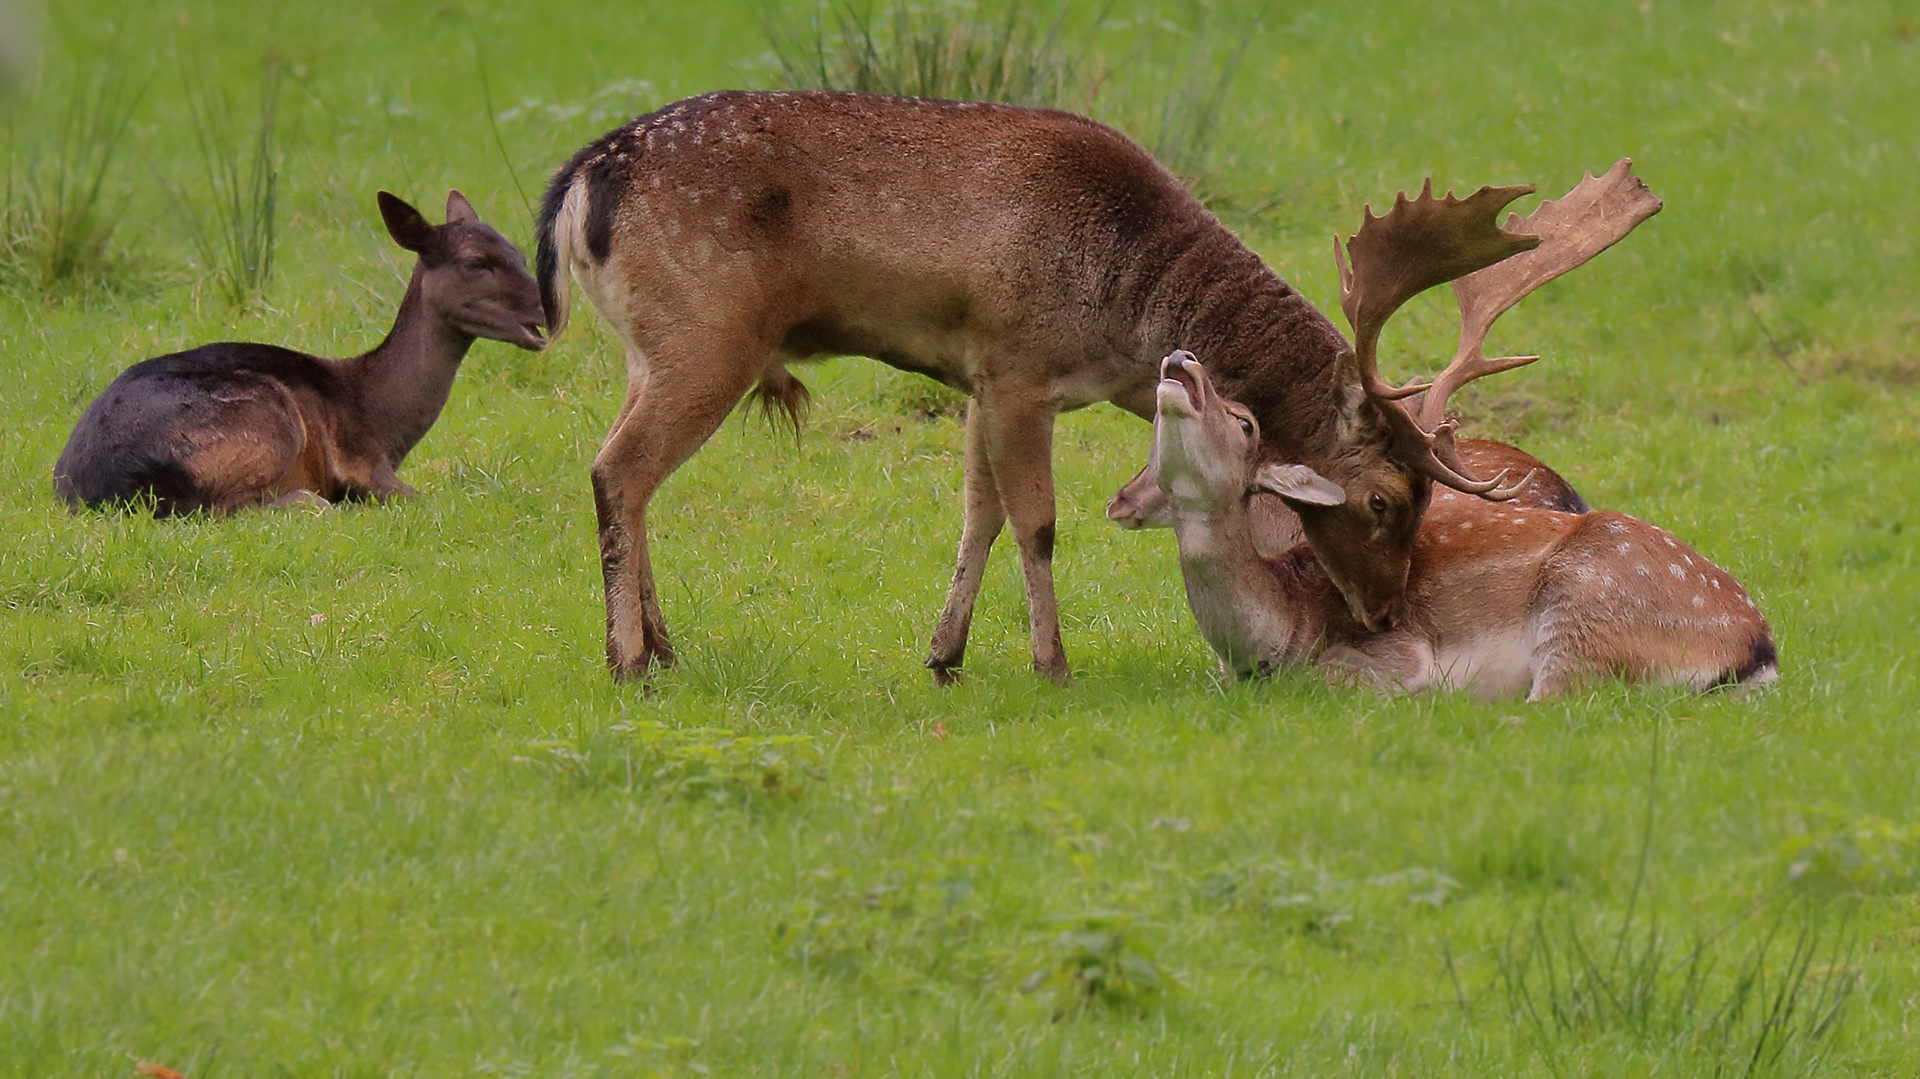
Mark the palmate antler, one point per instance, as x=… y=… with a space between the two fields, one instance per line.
x=1572 y=229
x=1425 y=241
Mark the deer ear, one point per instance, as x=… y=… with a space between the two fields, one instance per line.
x=1298 y=484
x=459 y=210
x=404 y=223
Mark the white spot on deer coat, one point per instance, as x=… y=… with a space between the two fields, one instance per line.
x=1674 y=568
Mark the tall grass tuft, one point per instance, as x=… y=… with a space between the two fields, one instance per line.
x=1177 y=95
x=1168 y=91
x=1751 y=998
x=234 y=234
x=952 y=49
x=58 y=220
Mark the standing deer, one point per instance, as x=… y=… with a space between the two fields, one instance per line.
x=222 y=427
x=1035 y=260
x=1500 y=600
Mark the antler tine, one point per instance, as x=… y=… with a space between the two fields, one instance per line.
x=1592 y=217
x=1420 y=243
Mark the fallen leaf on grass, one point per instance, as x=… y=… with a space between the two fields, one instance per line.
x=156 y=1071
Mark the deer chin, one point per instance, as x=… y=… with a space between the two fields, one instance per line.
x=1175 y=400
x=530 y=336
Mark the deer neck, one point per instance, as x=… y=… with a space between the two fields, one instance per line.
x=401 y=386
x=1262 y=342
x=1256 y=613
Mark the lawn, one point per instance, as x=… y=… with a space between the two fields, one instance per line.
x=352 y=794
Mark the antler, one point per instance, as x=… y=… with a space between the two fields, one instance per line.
x=1417 y=245
x=1426 y=241
x=1595 y=215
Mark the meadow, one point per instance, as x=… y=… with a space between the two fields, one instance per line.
x=352 y=793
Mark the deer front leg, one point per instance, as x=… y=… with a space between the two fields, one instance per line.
x=1019 y=442
x=984 y=518
x=385 y=485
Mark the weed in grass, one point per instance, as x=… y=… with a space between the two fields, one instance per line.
x=234 y=234
x=1098 y=960
x=911 y=926
x=59 y=217
x=706 y=763
x=1834 y=852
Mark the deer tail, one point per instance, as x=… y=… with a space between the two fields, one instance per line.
x=781 y=397
x=557 y=237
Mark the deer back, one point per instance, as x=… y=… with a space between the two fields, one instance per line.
x=1509 y=597
x=927 y=234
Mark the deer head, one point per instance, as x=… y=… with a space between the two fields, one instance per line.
x=469 y=275
x=1400 y=449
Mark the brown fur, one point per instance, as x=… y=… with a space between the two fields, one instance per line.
x=1033 y=259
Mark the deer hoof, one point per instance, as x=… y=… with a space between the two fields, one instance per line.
x=945 y=676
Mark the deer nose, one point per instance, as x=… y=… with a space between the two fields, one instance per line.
x=1382 y=616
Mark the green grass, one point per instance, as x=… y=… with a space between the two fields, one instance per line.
x=351 y=794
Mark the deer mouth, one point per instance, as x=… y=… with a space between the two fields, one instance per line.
x=1180 y=392
x=531 y=336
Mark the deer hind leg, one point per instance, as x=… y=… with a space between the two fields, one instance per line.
x=984 y=518
x=674 y=403
x=249 y=451
x=1018 y=438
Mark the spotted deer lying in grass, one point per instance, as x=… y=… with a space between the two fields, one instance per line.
x=1500 y=600
x=1033 y=259
x=222 y=427
x=1141 y=504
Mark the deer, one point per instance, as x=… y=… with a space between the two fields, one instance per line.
x=1035 y=260
x=1501 y=600
x=227 y=426
x=1141 y=504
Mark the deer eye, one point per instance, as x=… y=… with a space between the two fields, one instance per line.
x=473 y=263
x=1377 y=503
x=1246 y=425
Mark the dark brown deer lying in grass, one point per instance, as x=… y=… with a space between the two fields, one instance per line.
x=1032 y=259
x=1501 y=600
x=222 y=427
